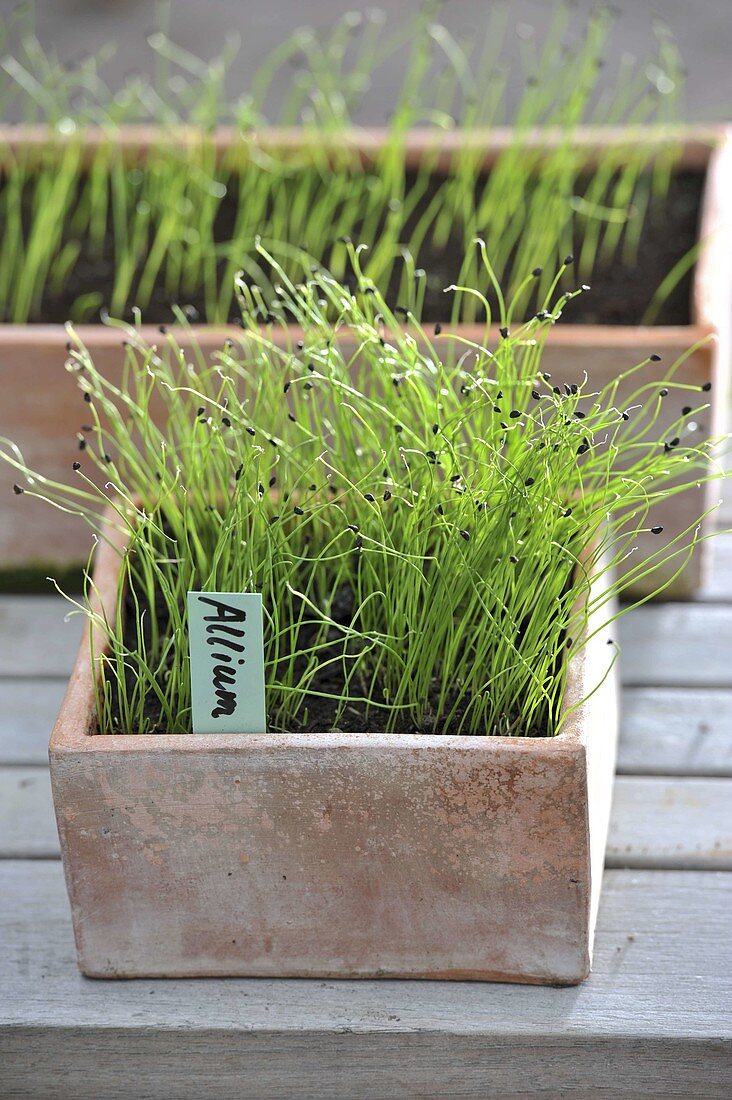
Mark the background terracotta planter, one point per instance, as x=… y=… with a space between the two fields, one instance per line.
x=40 y=404
x=335 y=855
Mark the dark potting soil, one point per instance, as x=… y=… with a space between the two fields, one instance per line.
x=620 y=292
x=318 y=715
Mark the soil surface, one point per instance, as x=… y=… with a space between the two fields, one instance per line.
x=620 y=292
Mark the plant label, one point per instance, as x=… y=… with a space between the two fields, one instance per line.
x=227 y=662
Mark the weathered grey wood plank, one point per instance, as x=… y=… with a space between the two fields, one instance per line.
x=717 y=587
x=656 y=1008
x=677 y=645
x=664 y=731
x=34 y=638
x=718 y=582
x=27 y=712
x=360 y=1064
x=675 y=823
x=675 y=731
x=656 y=822
x=27 y=824
x=674 y=643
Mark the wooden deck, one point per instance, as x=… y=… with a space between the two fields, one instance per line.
x=654 y=1020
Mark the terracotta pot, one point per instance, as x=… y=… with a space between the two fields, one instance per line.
x=40 y=409
x=335 y=855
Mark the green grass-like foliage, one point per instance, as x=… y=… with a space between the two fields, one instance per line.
x=450 y=495
x=176 y=226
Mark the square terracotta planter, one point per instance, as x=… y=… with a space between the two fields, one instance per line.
x=335 y=855
x=40 y=409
